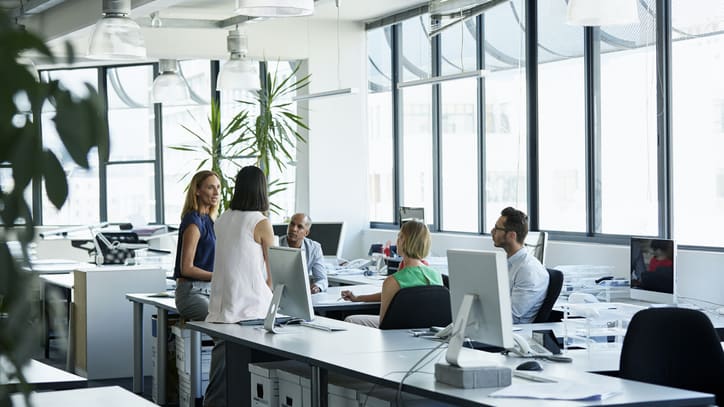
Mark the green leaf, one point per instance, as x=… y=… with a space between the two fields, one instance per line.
x=56 y=184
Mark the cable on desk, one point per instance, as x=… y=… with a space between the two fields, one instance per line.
x=415 y=368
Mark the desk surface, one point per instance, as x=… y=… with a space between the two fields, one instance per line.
x=40 y=376
x=383 y=357
x=61 y=280
x=112 y=396
x=356 y=279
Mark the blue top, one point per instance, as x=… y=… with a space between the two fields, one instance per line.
x=204 y=258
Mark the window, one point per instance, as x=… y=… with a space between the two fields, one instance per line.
x=561 y=121
x=130 y=171
x=82 y=205
x=379 y=125
x=698 y=134
x=506 y=135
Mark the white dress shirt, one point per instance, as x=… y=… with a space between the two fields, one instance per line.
x=528 y=286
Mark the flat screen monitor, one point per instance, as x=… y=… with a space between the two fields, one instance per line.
x=290 y=278
x=480 y=300
x=409 y=213
x=330 y=235
x=653 y=274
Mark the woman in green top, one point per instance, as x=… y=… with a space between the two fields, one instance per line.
x=413 y=243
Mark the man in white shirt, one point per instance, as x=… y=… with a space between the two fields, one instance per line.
x=297 y=232
x=528 y=277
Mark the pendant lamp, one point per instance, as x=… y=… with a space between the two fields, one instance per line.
x=238 y=73
x=274 y=8
x=169 y=87
x=116 y=36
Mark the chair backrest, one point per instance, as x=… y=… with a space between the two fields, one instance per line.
x=555 y=283
x=674 y=347
x=418 y=307
x=535 y=243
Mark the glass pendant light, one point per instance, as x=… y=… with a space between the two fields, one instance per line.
x=274 y=8
x=238 y=73
x=169 y=87
x=116 y=36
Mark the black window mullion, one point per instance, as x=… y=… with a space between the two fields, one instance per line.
x=531 y=70
x=397 y=164
x=663 y=125
x=592 y=95
x=436 y=110
x=102 y=173
x=480 y=57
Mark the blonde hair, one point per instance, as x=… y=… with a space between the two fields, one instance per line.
x=191 y=203
x=416 y=240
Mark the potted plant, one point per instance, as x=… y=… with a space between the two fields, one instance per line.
x=267 y=138
x=81 y=125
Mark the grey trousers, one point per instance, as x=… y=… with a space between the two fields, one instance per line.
x=372 y=321
x=215 y=395
x=192 y=299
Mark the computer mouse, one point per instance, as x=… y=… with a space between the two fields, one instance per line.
x=530 y=365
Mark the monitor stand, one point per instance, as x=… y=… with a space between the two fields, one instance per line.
x=271 y=314
x=468 y=377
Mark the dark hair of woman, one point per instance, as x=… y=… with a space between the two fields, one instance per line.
x=250 y=190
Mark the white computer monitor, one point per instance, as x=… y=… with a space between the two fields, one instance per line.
x=480 y=300
x=653 y=270
x=288 y=267
x=329 y=235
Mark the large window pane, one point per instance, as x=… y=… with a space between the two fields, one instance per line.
x=379 y=125
x=561 y=121
x=130 y=115
x=415 y=58
x=131 y=193
x=629 y=179
x=698 y=122
x=82 y=205
x=416 y=147
x=459 y=153
x=505 y=110
x=178 y=164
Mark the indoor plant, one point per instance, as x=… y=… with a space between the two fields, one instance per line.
x=81 y=126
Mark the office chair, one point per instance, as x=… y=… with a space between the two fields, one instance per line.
x=674 y=347
x=535 y=243
x=546 y=313
x=418 y=307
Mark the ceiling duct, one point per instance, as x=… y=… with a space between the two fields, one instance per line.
x=446 y=13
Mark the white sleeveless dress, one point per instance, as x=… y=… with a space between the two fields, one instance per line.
x=238 y=285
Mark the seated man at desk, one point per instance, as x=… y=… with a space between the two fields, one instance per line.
x=528 y=277
x=297 y=232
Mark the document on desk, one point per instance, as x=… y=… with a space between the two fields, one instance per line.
x=555 y=391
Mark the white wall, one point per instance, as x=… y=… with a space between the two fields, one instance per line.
x=700 y=275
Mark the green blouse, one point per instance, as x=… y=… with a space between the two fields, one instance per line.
x=413 y=276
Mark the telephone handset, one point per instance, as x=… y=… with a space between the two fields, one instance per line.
x=356 y=264
x=526 y=349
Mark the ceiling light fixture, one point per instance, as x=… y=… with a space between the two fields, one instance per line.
x=238 y=73
x=437 y=79
x=274 y=8
x=602 y=12
x=335 y=92
x=116 y=36
x=169 y=87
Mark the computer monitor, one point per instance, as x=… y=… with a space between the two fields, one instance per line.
x=289 y=275
x=409 y=213
x=653 y=265
x=330 y=235
x=480 y=300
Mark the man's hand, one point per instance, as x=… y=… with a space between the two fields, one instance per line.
x=315 y=289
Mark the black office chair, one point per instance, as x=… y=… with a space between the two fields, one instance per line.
x=674 y=347
x=546 y=313
x=418 y=307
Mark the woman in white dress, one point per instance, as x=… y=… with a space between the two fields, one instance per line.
x=241 y=284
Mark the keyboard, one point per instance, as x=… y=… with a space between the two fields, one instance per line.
x=323 y=326
x=260 y=321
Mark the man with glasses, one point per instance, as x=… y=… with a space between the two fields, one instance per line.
x=297 y=232
x=528 y=277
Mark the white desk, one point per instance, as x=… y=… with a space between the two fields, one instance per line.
x=112 y=396
x=164 y=305
x=356 y=279
x=40 y=377
x=377 y=356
